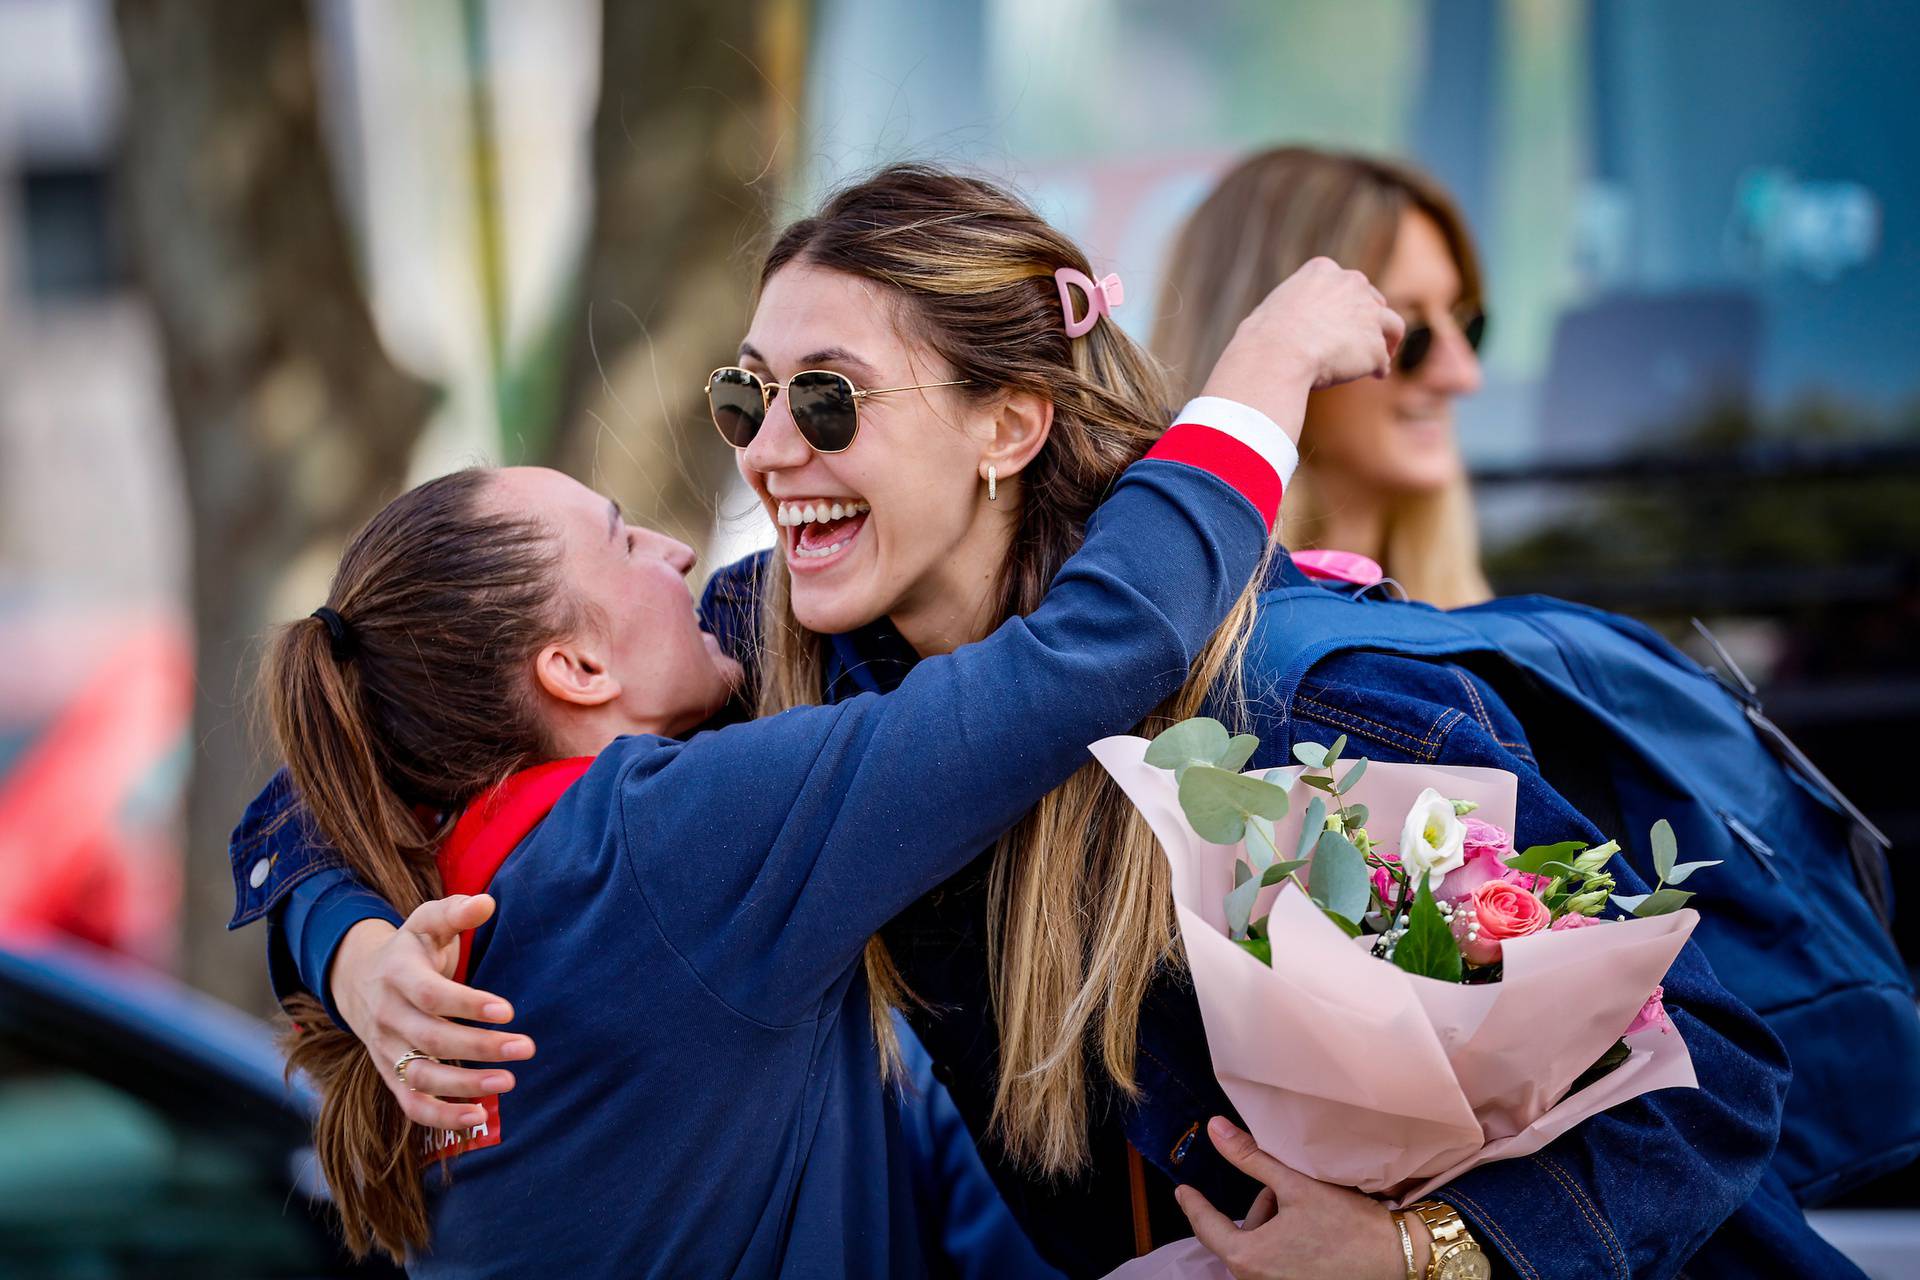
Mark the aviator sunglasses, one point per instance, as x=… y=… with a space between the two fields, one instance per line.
x=1417 y=345
x=825 y=405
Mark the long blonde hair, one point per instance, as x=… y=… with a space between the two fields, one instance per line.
x=1270 y=214
x=1080 y=908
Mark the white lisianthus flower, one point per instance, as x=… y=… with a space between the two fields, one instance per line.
x=1433 y=841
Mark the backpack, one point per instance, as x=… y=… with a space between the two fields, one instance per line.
x=1796 y=919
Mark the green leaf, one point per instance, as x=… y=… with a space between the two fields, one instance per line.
x=1239 y=750
x=1218 y=802
x=1201 y=740
x=1310 y=754
x=1353 y=775
x=1535 y=858
x=1428 y=947
x=1338 y=878
x=1317 y=782
x=1357 y=815
x=1279 y=777
x=1241 y=872
x=1347 y=927
x=1333 y=752
x=1660 y=902
x=1280 y=871
x=1627 y=902
x=1316 y=822
x=1682 y=870
x=1665 y=849
x=1612 y=1058
x=1261 y=849
x=1240 y=908
x=1260 y=949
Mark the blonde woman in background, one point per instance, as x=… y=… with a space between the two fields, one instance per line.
x=1381 y=472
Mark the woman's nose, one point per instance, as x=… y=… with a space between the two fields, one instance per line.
x=1452 y=367
x=672 y=550
x=778 y=445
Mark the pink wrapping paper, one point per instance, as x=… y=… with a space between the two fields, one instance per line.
x=1354 y=1072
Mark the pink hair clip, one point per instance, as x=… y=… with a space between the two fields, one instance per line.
x=1102 y=297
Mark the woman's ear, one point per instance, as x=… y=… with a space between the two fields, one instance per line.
x=570 y=671
x=1020 y=429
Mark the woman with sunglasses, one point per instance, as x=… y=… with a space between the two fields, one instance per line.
x=1044 y=976
x=1380 y=468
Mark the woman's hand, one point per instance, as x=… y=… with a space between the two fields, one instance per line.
x=396 y=990
x=1299 y=1228
x=1320 y=327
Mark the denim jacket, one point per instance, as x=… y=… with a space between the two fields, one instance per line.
x=1635 y=1191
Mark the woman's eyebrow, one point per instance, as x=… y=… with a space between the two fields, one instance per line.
x=824 y=356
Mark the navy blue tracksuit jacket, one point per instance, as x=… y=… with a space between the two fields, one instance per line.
x=681 y=935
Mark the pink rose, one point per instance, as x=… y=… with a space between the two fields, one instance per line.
x=1499 y=910
x=1383 y=882
x=1487 y=849
x=1652 y=1014
x=1573 y=920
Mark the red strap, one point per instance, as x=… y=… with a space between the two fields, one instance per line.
x=1214 y=451
x=493 y=827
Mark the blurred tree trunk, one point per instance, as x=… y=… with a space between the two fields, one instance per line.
x=293 y=424
x=695 y=129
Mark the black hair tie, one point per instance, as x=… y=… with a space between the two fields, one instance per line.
x=339 y=635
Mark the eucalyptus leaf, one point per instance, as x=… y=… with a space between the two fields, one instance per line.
x=1428 y=947
x=1239 y=750
x=1201 y=740
x=1338 y=878
x=1261 y=849
x=1280 y=871
x=1240 y=908
x=1317 y=782
x=1682 y=870
x=1316 y=822
x=1353 y=775
x=1357 y=815
x=1218 y=802
x=1241 y=872
x=1660 y=902
x=1333 y=752
x=1310 y=754
x=1535 y=858
x=1665 y=848
x=1280 y=778
x=1628 y=902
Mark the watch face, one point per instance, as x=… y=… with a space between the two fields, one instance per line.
x=1464 y=1263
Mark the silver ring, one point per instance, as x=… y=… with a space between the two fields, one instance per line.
x=411 y=1055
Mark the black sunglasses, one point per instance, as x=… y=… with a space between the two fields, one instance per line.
x=1418 y=344
x=825 y=405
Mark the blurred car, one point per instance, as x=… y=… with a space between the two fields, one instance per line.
x=146 y=1130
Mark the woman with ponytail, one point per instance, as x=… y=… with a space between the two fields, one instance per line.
x=489 y=700
x=1044 y=975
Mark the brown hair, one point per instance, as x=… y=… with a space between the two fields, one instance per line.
x=426 y=705
x=1268 y=216
x=1080 y=912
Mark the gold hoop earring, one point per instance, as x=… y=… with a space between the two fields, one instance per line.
x=993 y=485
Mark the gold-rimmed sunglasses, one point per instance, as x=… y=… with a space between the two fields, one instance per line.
x=825 y=405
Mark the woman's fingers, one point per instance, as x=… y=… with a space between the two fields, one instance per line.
x=435 y=1113
x=443 y=920
x=445 y=1080
x=454 y=1042
x=1264 y=1207
x=1244 y=1154
x=429 y=992
x=1211 y=1227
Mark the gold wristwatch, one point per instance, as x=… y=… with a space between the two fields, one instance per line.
x=1456 y=1254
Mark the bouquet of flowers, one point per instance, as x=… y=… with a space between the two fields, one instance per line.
x=1388 y=1013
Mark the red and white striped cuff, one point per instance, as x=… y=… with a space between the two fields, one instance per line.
x=1237 y=443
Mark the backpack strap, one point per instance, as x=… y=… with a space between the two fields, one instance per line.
x=493 y=826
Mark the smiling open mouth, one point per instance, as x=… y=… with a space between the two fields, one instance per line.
x=819 y=531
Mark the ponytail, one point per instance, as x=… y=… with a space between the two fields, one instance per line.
x=407 y=695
